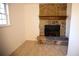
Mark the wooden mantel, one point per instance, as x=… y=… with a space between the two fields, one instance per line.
x=52 y=17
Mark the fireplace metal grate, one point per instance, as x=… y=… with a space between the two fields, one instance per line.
x=52 y=30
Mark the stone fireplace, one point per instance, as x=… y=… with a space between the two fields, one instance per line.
x=52 y=27
x=52 y=31
x=52 y=23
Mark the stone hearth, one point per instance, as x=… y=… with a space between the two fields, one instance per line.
x=53 y=40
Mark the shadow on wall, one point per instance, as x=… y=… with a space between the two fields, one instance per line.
x=1 y=43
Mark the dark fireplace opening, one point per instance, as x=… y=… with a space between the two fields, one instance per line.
x=52 y=30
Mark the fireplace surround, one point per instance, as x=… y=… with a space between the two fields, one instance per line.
x=57 y=24
x=52 y=32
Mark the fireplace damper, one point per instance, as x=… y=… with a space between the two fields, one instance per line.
x=52 y=30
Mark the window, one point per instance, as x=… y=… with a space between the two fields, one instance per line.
x=4 y=15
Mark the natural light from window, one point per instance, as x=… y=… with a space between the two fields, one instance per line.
x=4 y=19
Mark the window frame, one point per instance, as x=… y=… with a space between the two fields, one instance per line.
x=7 y=15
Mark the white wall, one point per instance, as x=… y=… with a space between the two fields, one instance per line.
x=31 y=13
x=73 y=48
x=24 y=26
x=68 y=19
x=13 y=35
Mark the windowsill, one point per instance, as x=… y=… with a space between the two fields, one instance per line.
x=4 y=25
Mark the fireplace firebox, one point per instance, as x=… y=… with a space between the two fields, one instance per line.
x=52 y=30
